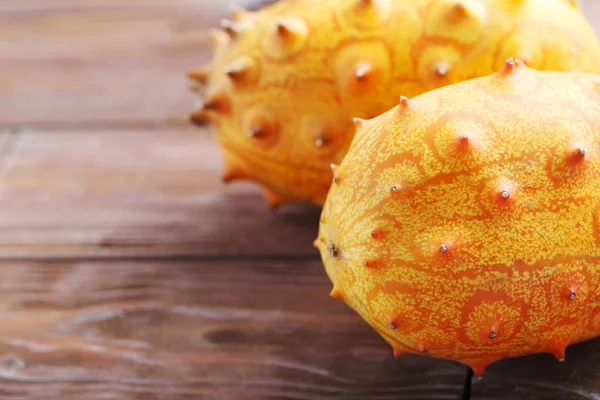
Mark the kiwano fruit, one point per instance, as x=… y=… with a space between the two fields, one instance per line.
x=286 y=82
x=465 y=223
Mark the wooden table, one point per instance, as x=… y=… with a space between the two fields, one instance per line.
x=128 y=271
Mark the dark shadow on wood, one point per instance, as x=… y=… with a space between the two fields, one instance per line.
x=252 y=330
x=468 y=384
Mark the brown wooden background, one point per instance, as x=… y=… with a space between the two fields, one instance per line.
x=127 y=271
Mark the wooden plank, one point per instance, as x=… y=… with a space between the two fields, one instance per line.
x=69 y=61
x=197 y=329
x=138 y=193
x=542 y=377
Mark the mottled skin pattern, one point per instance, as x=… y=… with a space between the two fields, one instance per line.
x=286 y=82
x=465 y=223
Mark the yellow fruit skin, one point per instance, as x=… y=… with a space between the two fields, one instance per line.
x=466 y=223
x=286 y=82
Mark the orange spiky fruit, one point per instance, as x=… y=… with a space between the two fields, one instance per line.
x=286 y=82
x=466 y=225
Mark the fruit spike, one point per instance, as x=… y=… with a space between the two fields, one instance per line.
x=239 y=70
x=290 y=29
x=199 y=75
x=230 y=27
x=273 y=200
x=334 y=169
x=336 y=294
x=510 y=66
x=397 y=353
x=320 y=141
x=458 y=10
x=404 y=103
x=559 y=352
x=232 y=173
x=309 y=63
x=442 y=69
x=216 y=102
x=362 y=71
x=257 y=131
x=528 y=272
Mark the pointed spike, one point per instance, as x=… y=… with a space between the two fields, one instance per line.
x=509 y=67
x=257 y=130
x=232 y=28
x=289 y=37
x=316 y=243
x=333 y=168
x=469 y=142
x=458 y=12
x=288 y=28
x=232 y=173
x=398 y=353
x=240 y=69
x=464 y=142
x=216 y=102
x=336 y=294
x=577 y=156
x=479 y=370
x=559 y=352
x=358 y=123
x=201 y=117
x=362 y=71
x=273 y=200
x=459 y=9
x=520 y=63
x=199 y=75
x=284 y=29
x=320 y=141
x=404 y=102
x=442 y=69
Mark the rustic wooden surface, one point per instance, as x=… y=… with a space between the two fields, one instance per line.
x=128 y=271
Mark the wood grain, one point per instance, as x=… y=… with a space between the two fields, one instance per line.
x=136 y=193
x=197 y=329
x=542 y=377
